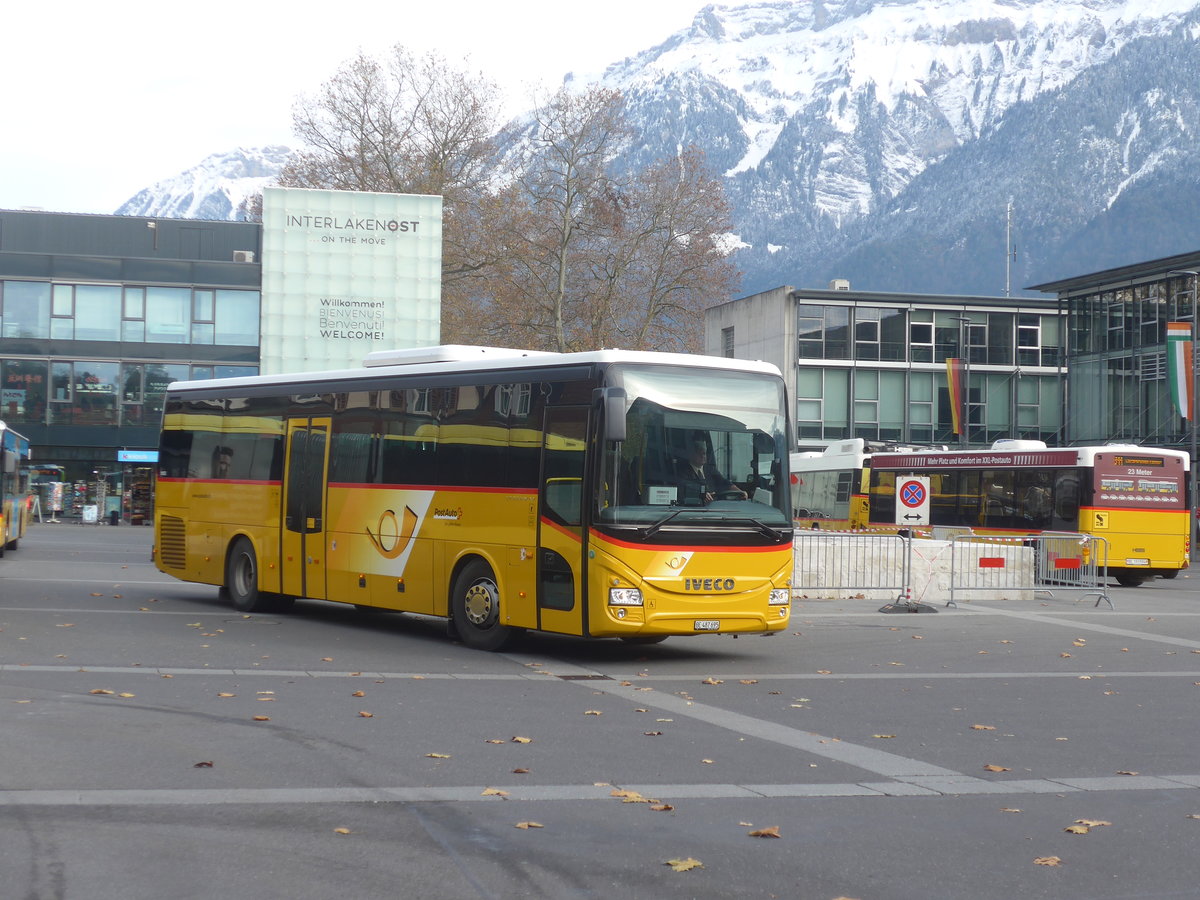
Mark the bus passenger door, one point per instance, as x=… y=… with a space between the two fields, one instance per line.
x=561 y=542
x=303 y=535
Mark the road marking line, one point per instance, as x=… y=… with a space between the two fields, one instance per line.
x=909 y=787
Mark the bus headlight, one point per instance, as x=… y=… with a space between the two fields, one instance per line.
x=624 y=597
x=780 y=597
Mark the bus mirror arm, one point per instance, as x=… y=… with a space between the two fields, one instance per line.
x=613 y=401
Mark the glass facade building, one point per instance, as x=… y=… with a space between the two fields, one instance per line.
x=873 y=365
x=99 y=313
x=1117 y=387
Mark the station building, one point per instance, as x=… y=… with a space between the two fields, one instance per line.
x=1117 y=384
x=98 y=314
x=873 y=365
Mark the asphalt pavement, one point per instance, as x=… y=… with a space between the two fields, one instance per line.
x=155 y=743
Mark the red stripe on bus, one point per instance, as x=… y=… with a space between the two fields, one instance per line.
x=561 y=529
x=695 y=548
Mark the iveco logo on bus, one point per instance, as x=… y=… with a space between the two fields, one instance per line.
x=710 y=585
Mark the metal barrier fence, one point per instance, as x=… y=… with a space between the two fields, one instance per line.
x=1044 y=564
x=885 y=565
x=852 y=562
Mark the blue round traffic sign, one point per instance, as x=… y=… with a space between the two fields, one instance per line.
x=912 y=494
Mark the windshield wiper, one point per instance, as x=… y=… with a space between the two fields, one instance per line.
x=657 y=526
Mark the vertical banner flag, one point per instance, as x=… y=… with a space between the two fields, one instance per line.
x=1179 y=367
x=954 y=379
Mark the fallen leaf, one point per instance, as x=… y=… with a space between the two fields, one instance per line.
x=918 y=637
x=711 y=680
x=495 y=741
x=438 y=755
x=592 y=712
x=683 y=865
x=824 y=672
x=528 y=825
x=1065 y=655
x=97 y=595
x=651 y=733
x=707 y=762
x=520 y=771
x=341 y=831
x=203 y=765
x=326 y=659
x=883 y=736
x=662 y=807
x=1047 y=861
x=126 y=695
x=1092 y=823
x=1123 y=772
x=1009 y=809
x=226 y=695
x=365 y=714
x=522 y=740
x=359 y=694
x=991 y=768
x=262 y=718
x=983 y=727
x=772 y=832
x=65 y=625
x=1076 y=829
x=748 y=681
x=629 y=796
x=265 y=699
x=99 y=691
x=493 y=792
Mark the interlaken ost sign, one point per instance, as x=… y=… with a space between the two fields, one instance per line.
x=345 y=273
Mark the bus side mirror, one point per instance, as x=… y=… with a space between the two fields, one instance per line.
x=612 y=399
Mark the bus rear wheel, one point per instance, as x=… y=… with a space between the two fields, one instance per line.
x=1129 y=579
x=475 y=606
x=241 y=582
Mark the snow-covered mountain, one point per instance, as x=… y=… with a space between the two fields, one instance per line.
x=882 y=140
x=213 y=189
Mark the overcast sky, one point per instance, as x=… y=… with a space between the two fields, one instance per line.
x=100 y=100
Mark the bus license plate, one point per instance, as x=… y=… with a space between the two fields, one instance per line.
x=707 y=625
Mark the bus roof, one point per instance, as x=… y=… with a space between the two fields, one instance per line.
x=452 y=358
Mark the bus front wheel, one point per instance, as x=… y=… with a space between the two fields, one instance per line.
x=241 y=582
x=475 y=606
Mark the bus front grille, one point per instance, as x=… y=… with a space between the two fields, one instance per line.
x=172 y=546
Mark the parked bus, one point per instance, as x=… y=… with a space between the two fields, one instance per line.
x=15 y=500
x=829 y=487
x=501 y=489
x=1133 y=497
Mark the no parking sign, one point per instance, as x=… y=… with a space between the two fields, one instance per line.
x=912 y=500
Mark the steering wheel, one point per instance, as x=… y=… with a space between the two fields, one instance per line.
x=728 y=494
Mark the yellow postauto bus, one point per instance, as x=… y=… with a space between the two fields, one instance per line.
x=504 y=490
x=15 y=499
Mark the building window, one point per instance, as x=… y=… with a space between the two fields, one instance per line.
x=25 y=310
x=823 y=331
x=866 y=334
x=727 y=342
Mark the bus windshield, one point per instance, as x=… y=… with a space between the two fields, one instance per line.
x=702 y=447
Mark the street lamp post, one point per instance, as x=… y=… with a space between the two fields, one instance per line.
x=1195 y=378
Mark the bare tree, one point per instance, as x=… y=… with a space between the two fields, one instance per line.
x=543 y=246
x=563 y=180
x=666 y=261
x=408 y=125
